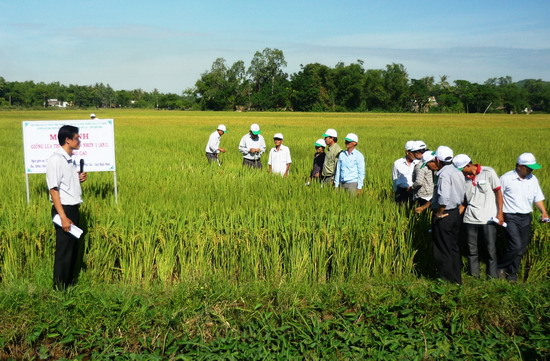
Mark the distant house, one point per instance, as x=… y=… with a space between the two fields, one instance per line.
x=57 y=103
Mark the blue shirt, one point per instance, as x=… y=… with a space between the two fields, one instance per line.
x=450 y=189
x=350 y=168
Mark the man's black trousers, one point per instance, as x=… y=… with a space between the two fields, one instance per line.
x=446 y=250
x=66 y=250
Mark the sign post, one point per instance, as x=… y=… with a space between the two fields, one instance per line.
x=97 y=146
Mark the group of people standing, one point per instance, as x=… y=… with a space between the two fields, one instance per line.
x=458 y=191
x=470 y=198
x=342 y=168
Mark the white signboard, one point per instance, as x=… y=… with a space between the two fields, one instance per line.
x=97 y=144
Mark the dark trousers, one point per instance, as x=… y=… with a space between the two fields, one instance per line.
x=402 y=195
x=489 y=232
x=518 y=232
x=212 y=157
x=66 y=251
x=446 y=251
x=252 y=163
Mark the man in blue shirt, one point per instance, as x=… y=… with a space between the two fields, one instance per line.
x=350 y=168
x=448 y=199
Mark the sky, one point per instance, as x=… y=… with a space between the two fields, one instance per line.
x=168 y=44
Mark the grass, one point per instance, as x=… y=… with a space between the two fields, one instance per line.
x=417 y=320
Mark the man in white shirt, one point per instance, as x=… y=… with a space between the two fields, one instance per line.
x=403 y=168
x=483 y=212
x=213 y=145
x=520 y=190
x=63 y=179
x=252 y=146
x=279 y=157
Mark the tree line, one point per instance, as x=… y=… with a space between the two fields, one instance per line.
x=264 y=85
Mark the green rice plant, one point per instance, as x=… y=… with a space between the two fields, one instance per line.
x=181 y=219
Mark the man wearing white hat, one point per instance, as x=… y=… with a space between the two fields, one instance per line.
x=350 y=169
x=279 y=157
x=213 y=145
x=333 y=149
x=252 y=146
x=92 y=116
x=423 y=181
x=520 y=190
x=483 y=209
x=448 y=197
x=403 y=168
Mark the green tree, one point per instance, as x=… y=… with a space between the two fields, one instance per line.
x=396 y=83
x=538 y=94
x=420 y=91
x=376 y=96
x=348 y=86
x=269 y=81
x=311 y=88
x=212 y=89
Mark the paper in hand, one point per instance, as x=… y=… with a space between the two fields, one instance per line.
x=75 y=231
x=495 y=220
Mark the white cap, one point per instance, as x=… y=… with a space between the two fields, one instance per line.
x=461 y=160
x=427 y=157
x=444 y=154
x=528 y=159
x=255 y=128
x=92 y=115
x=418 y=145
x=409 y=145
x=278 y=136
x=351 y=137
x=320 y=143
x=331 y=133
x=222 y=128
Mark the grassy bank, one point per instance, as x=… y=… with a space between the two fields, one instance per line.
x=416 y=320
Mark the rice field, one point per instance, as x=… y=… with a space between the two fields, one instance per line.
x=180 y=219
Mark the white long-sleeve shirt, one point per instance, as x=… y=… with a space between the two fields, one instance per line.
x=247 y=143
x=402 y=173
x=213 y=144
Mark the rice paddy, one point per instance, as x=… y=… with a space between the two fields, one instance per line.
x=180 y=219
